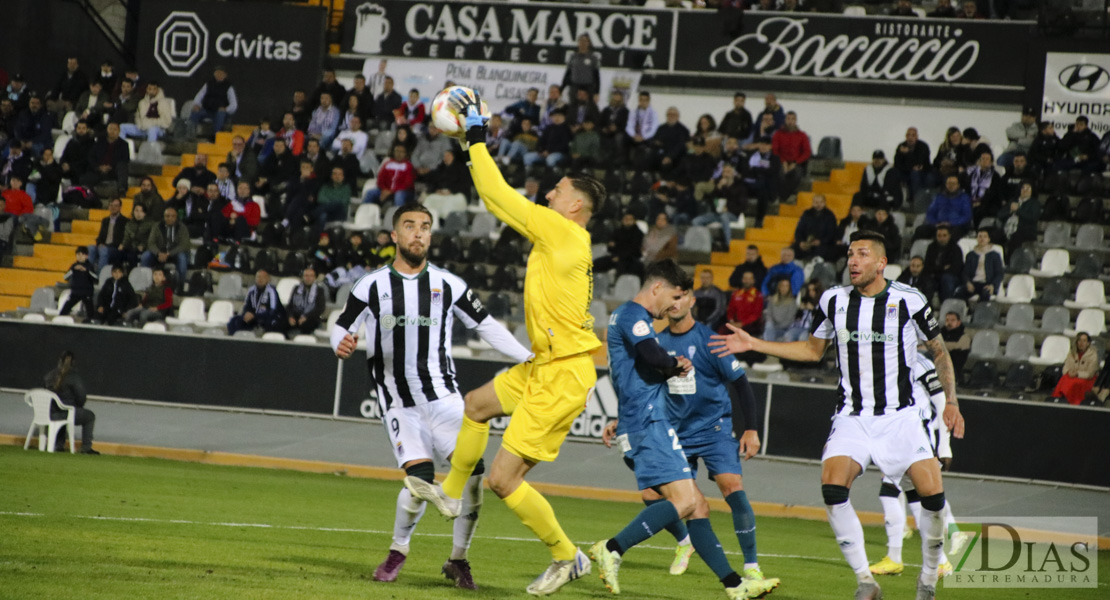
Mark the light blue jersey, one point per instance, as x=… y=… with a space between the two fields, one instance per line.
x=641 y=389
x=699 y=406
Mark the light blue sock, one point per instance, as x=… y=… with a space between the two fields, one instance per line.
x=678 y=528
x=743 y=520
x=650 y=521
x=709 y=548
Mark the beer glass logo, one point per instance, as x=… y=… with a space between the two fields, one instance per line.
x=371 y=28
x=181 y=43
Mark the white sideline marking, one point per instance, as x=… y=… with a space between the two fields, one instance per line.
x=371 y=532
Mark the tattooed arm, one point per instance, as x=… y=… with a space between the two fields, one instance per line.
x=946 y=374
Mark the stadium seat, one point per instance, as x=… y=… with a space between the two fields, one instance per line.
x=1089 y=294
x=1020 y=346
x=966 y=244
x=825 y=273
x=462 y=352
x=601 y=285
x=1019 y=290
x=304 y=338
x=521 y=335
x=285 y=287
x=342 y=293
x=625 y=289
x=368 y=217
x=1091 y=321
x=1055 y=319
x=919 y=248
x=1054 y=349
x=1088 y=265
x=140 y=279
x=63 y=320
x=230 y=286
x=1055 y=292
x=213 y=331
x=1019 y=377
x=1054 y=263
x=485 y=225
x=445 y=205
x=219 y=314
x=455 y=223
x=1019 y=317
x=954 y=305
x=190 y=312
x=43 y=426
x=1089 y=237
x=984 y=375
x=333 y=316
x=698 y=239
x=273 y=336
x=855 y=11
x=985 y=345
x=499 y=305
x=62 y=299
x=1057 y=234
x=892 y=271
x=985 y=315
x=600 y=313
x=387 y=216
x=247 y=334
x=43 y=299
x=1022 y=261
x=479 y=250
x=155 y=326
x=105 y=275
x=36 y=317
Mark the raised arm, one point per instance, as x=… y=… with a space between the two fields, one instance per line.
x=501 y=199
x=810 y=350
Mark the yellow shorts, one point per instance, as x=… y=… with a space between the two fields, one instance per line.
x=543 y=400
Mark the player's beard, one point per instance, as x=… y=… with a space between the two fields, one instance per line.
x=414 y=259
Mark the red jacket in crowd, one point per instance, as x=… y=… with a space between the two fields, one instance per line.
x=250 y=212
x=745 y=306
x=18 y=202
x=791 y=146
x=396 y=176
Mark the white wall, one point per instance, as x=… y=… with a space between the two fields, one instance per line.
x=862 y=124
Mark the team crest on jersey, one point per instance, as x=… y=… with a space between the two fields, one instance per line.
x=891 y=311
x=437 y=296
x=641 y=328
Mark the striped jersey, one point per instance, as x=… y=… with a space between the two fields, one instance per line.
x=876 y=344
x=408 y=331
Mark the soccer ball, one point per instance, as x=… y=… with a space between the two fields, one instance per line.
x=446 y=118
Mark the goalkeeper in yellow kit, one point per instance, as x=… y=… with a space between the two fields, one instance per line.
x=543 y=396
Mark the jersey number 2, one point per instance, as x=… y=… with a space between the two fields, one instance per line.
x=674 y=440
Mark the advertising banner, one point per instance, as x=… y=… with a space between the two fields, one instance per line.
x=925 y=58
x=499 y=83
x=532 y=33
x=268 y=54
x=1077 y=85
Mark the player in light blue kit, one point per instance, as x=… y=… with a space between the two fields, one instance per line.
x=701 y=410
x=640 y=368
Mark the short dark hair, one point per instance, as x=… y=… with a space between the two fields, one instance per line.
x=1085 y=121
x=224 y=165
x=81 y=250
x=669 y=271
x=410 y=207
x=591 y=188
x=954 y=314
x=360 y=76
x=866 y=235
x=944 y=228
x=753 y=247
x=645 y=94
x=740 y=95
x=117 y=267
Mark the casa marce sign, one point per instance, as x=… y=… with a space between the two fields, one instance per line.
x=938 y=58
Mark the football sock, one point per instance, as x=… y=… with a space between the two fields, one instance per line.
x=649 y=522
x=469 y=448
x=709 y=548
x=915 y=509
x=932 y=536
x=533 y=510
x=677 y=529
x=467 y=521
x=743 y=522
x=949 y=520
x=894 y=519
x=409 y=511
x=847 y=529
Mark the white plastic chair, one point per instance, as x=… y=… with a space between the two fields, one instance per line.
x=219 y=314
x=63 y=320
x=155 y=326
x=367 y=218
x=892 y=271
x=1054 y=263
x=625 y=288
x=1019 y=290
x=36 y=317
x=333 y=316
x=191 y=312
x=1054 y=350
x=698 y=239
x=1091 y=321
x=41 y=399
x=273 y=336
x=1089 y=294
x=966 y=244
x=304 y=338
x=285 y=287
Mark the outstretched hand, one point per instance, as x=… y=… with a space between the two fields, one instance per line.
x=736 y=342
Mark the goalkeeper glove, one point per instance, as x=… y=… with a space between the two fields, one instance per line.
x=475 y=122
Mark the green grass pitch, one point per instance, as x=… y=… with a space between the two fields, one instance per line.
x=114 y=527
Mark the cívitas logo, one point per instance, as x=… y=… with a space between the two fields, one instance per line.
x=181 y=45
x=1084 y=78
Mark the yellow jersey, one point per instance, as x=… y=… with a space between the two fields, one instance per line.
x=559 y=280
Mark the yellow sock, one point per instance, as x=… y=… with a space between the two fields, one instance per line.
x=469 y=448
x=533 y=510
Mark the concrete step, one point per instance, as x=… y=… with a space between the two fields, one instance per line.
x=43 y=263
x=73 y=239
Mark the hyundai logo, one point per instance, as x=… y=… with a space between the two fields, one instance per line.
x=1084 y=78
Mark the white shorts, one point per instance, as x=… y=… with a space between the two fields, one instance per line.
x=892 y=442
x=424 y=431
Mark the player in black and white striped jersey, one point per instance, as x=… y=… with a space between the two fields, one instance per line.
x=409 y=307
x=877 y=325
